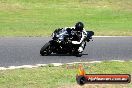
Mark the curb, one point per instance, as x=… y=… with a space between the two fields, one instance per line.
x=53 y=64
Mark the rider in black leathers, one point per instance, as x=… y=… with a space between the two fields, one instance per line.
x=78 y=33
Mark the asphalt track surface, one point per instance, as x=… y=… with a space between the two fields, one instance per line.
x=25 y=51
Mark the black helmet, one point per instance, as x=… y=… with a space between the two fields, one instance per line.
x=79 y=26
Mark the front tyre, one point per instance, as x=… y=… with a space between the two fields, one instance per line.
x=46 y=49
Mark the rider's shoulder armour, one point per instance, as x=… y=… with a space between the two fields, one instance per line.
x=69 y=28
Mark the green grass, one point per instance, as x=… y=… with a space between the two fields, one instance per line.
x=41 y=17
x=53 y=77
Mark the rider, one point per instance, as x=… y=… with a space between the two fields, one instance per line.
x=78 y=33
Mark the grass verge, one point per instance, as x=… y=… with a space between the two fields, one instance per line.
x=62 y=76
x=41 y=17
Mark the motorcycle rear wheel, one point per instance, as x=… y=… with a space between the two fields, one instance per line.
x=46 y=49
x=77 y=54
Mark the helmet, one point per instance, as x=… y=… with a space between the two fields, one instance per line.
x=79 y=26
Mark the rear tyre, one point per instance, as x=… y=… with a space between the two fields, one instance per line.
x=77 y=54
x=46 y=49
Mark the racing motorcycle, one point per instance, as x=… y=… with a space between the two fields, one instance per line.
x=61 y=43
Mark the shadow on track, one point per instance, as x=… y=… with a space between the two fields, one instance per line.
x=64 y=54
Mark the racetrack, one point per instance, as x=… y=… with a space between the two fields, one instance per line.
x=17 y=51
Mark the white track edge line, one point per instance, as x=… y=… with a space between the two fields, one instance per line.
x=54 y=64
x=112 y=36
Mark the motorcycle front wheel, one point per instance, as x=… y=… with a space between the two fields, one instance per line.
x=46 y=49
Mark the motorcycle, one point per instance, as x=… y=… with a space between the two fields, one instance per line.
x=61 y=43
